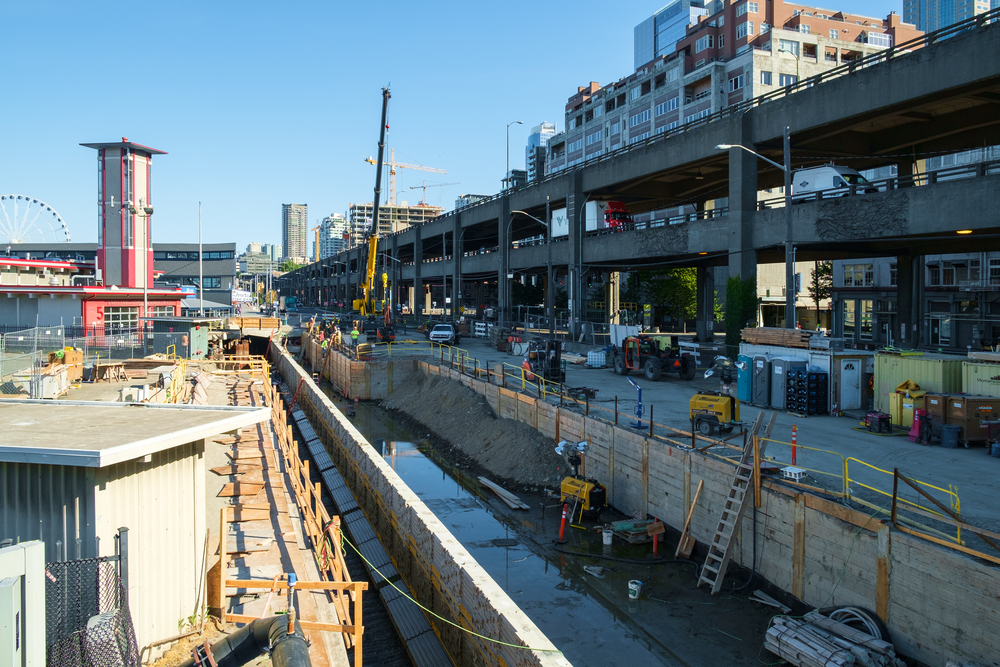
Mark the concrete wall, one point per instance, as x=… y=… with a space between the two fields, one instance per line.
x=937 y=603
x=440 y=571
x=371 y=380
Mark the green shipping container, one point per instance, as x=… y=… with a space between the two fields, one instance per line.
x=935 y=373
x=981 y=378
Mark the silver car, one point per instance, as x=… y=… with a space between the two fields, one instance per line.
x=445 y=333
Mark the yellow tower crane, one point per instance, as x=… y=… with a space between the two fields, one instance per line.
x=392 y=171
x=423 y=186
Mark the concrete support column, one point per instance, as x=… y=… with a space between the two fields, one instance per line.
x=456 y=266
x=705 y=303
x=417 y=295
x=742 y=204
x=395 y=275
x=503 y=284
x=909 y=300
x=576 y=219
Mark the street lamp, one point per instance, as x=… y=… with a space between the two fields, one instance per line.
x=793 y=53
x=549 y=285
x=506 y=176
x=144 y=212
x=789 y=248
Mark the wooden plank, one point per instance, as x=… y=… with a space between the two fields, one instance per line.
x=686 y=544
x=243 y=455
x=241 y=514
x=799 y=554
x=249 y=584
x=236 y=469
x=239 y=489
x=306 y=625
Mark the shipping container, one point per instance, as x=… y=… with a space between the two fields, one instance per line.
x=982 y=379
x=935 y=373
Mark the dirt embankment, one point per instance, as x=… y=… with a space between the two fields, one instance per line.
x=504 y=448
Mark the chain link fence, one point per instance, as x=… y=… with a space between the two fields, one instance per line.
x=87 y=619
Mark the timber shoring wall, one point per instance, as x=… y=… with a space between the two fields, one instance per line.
x=937 y=603
x=442 y=574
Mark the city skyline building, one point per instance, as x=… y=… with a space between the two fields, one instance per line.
x=391 y=219
x=468 y=200
x=534 y=152
x=744 y=50
x=295 y=230
x=658 y=35
x=931 y=15
x=333 y=235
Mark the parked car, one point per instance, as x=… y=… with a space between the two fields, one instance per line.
x=445 y=333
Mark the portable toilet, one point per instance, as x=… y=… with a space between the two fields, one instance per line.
x=760 y=392
x=780 y=366
x=744 y=379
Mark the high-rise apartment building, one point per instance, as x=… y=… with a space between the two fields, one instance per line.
x=272 y=250
x=295 y=230
x=746 y=49
x=931 y=15
x=254 y=248
x=391 y=219
x=333 y=235
x=468 y=200
x=658 y=35
x=534 y=152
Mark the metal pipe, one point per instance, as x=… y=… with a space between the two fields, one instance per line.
x=260 y=636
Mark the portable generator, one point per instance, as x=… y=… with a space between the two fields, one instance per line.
x=590 y=493
x=714 y=411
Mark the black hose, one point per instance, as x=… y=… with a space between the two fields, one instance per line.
x=263 y=634
x=753 y=568
x=651 y=561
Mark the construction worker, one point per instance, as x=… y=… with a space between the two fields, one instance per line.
x=354 y=335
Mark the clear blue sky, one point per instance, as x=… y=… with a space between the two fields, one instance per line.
x=264 y=103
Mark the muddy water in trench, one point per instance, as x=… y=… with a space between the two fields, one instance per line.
x=590 y=620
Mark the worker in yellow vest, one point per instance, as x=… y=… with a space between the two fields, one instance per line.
x=354 y=336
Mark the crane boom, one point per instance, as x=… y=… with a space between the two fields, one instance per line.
x=392 y=171
x=365 y=305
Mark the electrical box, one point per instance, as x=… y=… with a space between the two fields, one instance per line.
x=11 y=622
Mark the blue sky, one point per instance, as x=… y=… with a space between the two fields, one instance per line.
x=264 y=103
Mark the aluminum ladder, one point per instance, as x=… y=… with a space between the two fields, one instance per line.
x=721 y=548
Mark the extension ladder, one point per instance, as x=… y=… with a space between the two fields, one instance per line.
x=721 y=548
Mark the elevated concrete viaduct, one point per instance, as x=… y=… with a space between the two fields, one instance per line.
x=940 y=95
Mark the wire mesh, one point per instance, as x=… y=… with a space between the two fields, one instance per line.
x=87 y=620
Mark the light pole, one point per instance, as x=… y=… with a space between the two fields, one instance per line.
x=789 y=247
x=395 y=284
x=201 y=277
x=144 y=212
x=796 y=63
x=548 y=281
x=506 y=176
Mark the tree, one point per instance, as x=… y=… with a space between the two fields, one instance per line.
x=821 y=284
x=672 y=291
x=289 y=265
x=741 y=310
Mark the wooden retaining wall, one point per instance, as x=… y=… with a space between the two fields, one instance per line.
x=937 y=603
x=441 y=573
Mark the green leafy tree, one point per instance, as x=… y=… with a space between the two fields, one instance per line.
x=672 y=291
x=821 y=284
x=741 y=310
x=289 y=265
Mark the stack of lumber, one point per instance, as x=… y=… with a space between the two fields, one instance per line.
x=779 y=337
x=817 y=641
x=512 y=501
x=498 y=337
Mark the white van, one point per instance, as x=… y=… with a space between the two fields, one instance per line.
x=833 y=180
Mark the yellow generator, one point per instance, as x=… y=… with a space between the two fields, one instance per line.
x=590 y=493
x=714 y=412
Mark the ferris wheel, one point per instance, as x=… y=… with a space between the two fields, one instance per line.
x=25 y=219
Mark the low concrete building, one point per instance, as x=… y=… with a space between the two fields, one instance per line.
x=74 y=470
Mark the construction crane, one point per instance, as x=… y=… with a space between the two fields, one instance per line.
x=423 y=186
x=367 y=305
x=392 y=172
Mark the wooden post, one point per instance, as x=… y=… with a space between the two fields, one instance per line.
x=895 y=485
x=222 y=564
x=756 y=471
x=882 y=573
x=651 y=420
x=358 y=628
x=799 y=548
x=586 y=397
x=616 y=410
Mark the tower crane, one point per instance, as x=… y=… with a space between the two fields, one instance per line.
x=392 y=171
x=423 y=186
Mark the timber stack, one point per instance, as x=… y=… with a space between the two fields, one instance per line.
x=779 y=337
x=818 y=641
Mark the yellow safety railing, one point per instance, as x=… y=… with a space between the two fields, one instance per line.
x=954 y=502
x=785 y=458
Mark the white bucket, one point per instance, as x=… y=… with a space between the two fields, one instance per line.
x=634 y=588
x=606 y=535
